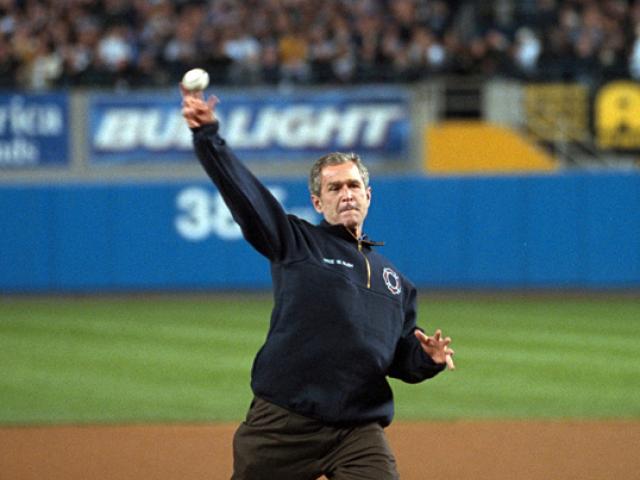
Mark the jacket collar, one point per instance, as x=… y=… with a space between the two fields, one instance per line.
x=343 y=232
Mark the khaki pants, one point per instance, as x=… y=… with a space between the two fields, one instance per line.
x=275 y=444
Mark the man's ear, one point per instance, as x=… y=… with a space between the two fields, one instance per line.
x=317 y=203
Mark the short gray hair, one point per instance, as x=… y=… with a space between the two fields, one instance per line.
x=335 y=158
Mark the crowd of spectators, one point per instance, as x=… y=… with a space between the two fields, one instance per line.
x=147 y=43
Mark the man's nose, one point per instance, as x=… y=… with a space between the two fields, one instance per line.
x=346 y=193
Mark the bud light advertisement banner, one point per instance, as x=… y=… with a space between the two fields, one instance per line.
x=259 y=126
x=34 y=130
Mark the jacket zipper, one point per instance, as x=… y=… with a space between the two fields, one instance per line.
x=366 y=261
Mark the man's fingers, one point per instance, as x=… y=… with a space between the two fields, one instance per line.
x=196 y=110
x=450 y=364
x=439 y=344
x=212 y=101
x=426 y=340
x=422 y=338
x=433 y=341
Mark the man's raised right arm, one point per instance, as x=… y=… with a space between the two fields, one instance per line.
x=262 y=219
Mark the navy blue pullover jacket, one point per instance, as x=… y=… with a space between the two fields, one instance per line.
x=343 y=318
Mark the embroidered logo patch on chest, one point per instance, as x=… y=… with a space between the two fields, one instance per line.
x=392 y=281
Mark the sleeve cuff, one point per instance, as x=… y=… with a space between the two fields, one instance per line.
x=207 y=128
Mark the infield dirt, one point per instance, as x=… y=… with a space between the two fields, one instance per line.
x=457 y=450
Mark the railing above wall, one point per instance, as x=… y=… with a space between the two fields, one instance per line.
x=569 y=119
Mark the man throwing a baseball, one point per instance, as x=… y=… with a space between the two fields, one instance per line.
x=344 y=320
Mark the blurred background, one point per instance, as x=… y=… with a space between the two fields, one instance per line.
x=504 y=142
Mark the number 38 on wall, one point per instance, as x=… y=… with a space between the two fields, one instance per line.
x=202 y=213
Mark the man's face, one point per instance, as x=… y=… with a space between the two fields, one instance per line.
x=343 y=197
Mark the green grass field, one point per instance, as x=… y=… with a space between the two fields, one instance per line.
x=187 y=358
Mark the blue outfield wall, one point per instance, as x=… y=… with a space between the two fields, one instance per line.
x=560 y=231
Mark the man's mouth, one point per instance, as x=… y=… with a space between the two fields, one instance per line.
x=348 y=208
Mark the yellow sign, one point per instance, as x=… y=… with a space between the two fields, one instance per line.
x=617 y=116
x=473 y=147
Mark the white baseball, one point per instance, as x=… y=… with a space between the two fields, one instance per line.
x=195 y=80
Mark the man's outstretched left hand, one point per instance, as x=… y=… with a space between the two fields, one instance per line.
x=437 y=347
